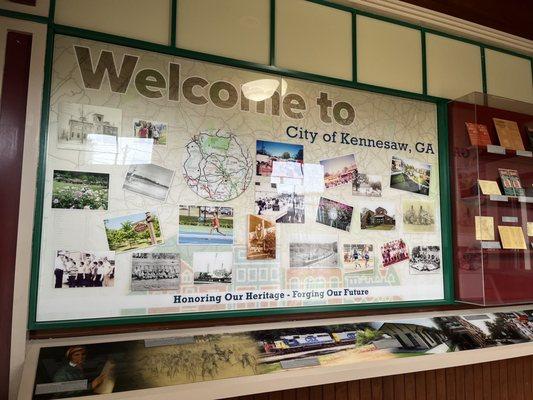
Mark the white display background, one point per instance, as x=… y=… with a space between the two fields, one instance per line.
x=378 y=117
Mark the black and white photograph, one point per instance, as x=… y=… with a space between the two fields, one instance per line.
x=424 y=260
x=366 y=185
x=418 y=216
x=278 y=202
x=212 y=267
x=334 y=214
x=378 y=215
x=314 y=255
x=87 y=127
x=410 y=175
x=82 y=269
x=155 y=271
x=149 y=180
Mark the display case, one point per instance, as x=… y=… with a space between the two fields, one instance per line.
x=491 y=160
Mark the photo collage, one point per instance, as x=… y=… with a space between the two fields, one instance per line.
x=171 y=199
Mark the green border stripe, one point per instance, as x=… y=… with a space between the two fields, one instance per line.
x=445 y=200
x=483 y=69
x=354 y=47
x=173 y=22
x=424 y=62
x=24 y=16
x=272 y=34
x=41 y=175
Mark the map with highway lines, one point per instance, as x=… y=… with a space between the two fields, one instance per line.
x=217 y=166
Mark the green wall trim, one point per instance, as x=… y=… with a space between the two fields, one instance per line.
x=483 y=69
x=354 y=47
x=272 y=34
x=173 y=22
x=424 y=63
x=24 y=16
x=445 y=199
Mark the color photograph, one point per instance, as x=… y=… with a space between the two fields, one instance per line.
x=339 y=170
x=149 y=180
x=334 y=214
x=157 y=131
x=261 y=239
x=88 y=128
x=418 y=216
x=358 y=258
x=410 y=175
x=268 y=152
x=279 y=203
x=155 y=271
x=205 y=225
x=80 y=269
x=80 y=190
x=313 y=255
x=212 y=267
x=134 y=231
x=366 y=185
x=378 y=216
x=424 y=260
x=394 y=252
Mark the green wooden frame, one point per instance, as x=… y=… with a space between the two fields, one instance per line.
x=171 y=49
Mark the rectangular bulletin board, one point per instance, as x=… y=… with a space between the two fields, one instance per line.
x=179 y=189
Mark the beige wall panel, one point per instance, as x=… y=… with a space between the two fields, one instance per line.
x=453 y=67
x=41 y=7
x=314 y=38
x=136 y=19
x=388 y=55
x=508 y=76
x=231 y=28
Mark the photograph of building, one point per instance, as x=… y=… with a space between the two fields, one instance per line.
x=378 y=218
x=88 y=127
x=410 y=175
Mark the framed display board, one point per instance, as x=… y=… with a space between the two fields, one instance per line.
x=175 y=189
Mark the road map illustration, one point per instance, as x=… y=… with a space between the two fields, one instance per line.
x=217 y=166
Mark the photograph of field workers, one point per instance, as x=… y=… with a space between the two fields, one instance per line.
x=348 y=343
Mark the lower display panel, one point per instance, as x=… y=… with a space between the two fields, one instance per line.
x=85 y=368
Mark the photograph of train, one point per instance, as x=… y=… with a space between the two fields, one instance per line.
x=349 y=343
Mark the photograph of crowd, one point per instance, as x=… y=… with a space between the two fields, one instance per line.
x=212 y=267
x=74 y=269
x=425 y=260
x=134 y=231
x=80 y=190
x=339 y=170
x=358 y=258
x=279 y=202
x=86 y=127
x=157 y=131
x=410 y=175
x=261 y=239
x=334 y=214
x=149 y=180
x=366 y=185
x=418 y=216
x=155 y=271
x=206 y=225
x=268 y=152
x=378 y=218
x=313 y=255
x=394 y=252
